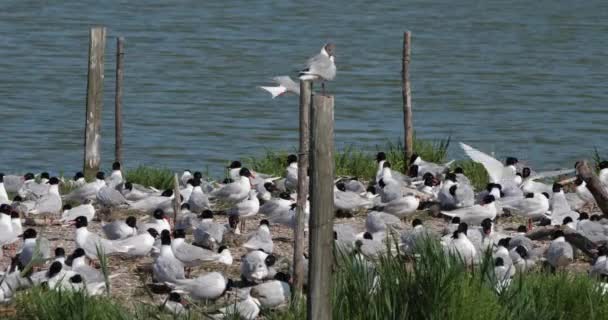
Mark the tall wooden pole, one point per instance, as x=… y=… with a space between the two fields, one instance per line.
x=177 y=199
x=594 y=185
x=407 y=100
x=118 y=99
x=92 y=131
x=321 y=208
x=298 y=251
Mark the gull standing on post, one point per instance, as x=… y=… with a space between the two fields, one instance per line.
x=321 y=67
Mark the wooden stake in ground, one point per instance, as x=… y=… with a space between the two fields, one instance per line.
x=177 y=201
x=594 y=185
x=298 y=251
x=118 y=99
x=321 y=208
x=92 y=131
x=408 y=128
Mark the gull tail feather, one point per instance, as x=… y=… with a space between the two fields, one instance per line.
x=275 y=91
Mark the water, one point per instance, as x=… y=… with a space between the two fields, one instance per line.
x=519 y=78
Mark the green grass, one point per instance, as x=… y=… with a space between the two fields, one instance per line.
x=154 y=177
x=475 y=172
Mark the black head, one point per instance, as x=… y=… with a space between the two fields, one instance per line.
x=429 y=182
x=67 y=207
x=556 y=234
x=1 y=177
x=413 y=158
x=567 y=220
x=185 y=206
x=100 y=175
x=453 y=190
x=28 y=176
x=76 y=278
x=498 y=262
x=131 y=221
x=380 y=156
x=270 y=187
x=595 y=217
x=45 y=175
x=335 y=235
x=17 y=198
x=153 y=232
x=15 y=214
x=412 y=172
x=197 y=175
x=159 y=214
x=244 y=172
x=525 y=172
x=79 y=252
x=54 y=269
x=282 y=276
x=557 y=187
x=578 y=181
x=235 y=165
x=270 y=260
x=165 y=238
x=522 y=228
x=5 y=208
x=602 y=251
x=221 y=248
x=368 y=236
x=522 y=251
x=544 y=221
x=227 y=181
x=229 y=285
x=59 y=252
x=175 y=297
x=81 y=222
x=603 y=165
x=488 y=199
x=486 y=224
x=504 y=242
x=29 y=234
x=54 y=181
x=462 y=228
x=386 y=164
x=291 y=159
x=78 y=175
x=264 y=222
x=129 y=186
x=341 y=186
x=511 y=161
x=179 y=233
x=459 y=170
x=427 y=175
x=371 y=190
x=455 y=220
x=285 y=196
x=116 y=165
x=167 y=193
x=194 y=182
x=416 y=222
x=206 y=214
x=381 y=183
x=233 y=221
x=583 y=216
x=490 y=186
x=529 y=195
x=546 y=195
x=450 y=176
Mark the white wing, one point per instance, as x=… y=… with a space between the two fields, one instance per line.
x=549 y=174
x=494 y=167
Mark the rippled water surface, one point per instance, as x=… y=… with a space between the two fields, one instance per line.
x=520 y=78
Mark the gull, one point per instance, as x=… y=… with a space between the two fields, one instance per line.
x=16 y=222
x=532 y=206
x=91 y=242
x=461 y=246
x=86 y=210
x=277 y=207
x=34 y=248
x=166 y=267
x=418 y=234
x=261 y=239
x=159 y=223
x=288 y=218
x=560 y=208
x=321 y=67
x=3 y=195
x=141 y=244
x=119 y=229
x=291 y=175
x=401 y=207
x=246 y=208
x=455 y=195
x=265 y=190
x=502 y=274
x=382 y=162
x=344 y=237
x=497 y=172
x=594 y=231
x=7 y=234
x=559 y=253
x=484 y=238
x=77 y=260
x=135 y=192
x=188 y=254
x=50 y=202
x=13 y=183
x=600 y=266
x=206 y=287
x=255 y=265
x=235 y=191
x=78 y=180
x=521 y=259
x=151 y=203
x=285 y=85
x=247 y=308
x=186 y=176
x=477 y=213
x=389 y=188
x=198 y=200
x=582 y=191
x=175 y=304
x=429 y=188
x=273 y=293
x=378 y=221
x=603 y=174
x=33 y=190
x=370 y=247
x=187 y=190
x=108 y=196
x=115 y=177
x=430 y=167
x=348 y=200
x=502 y=252
x=451 y=227
x=461 y=177
x=207 y=233
x=530 y=185
x=88 y=190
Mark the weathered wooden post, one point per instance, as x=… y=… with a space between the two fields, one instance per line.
x=118 y=99
x=92 y=134
x=298 y=251
x=321 y=208
x=407 y=100
x=594 y=185
x=177 y=201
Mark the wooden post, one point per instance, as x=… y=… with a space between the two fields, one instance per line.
x=177 y=202
x=321 y=208
x=298 y=246
x=92 y=131
x=408 y=128
x=118 y=99
x=594 y=185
